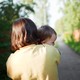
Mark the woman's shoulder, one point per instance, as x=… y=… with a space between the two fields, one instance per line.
x=51 y=49
x=48 y=46
x=10 y=58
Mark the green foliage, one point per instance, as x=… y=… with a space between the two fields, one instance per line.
x=3 y=73
x=69 y=40
x=10 y=11
x=71 y=12
x=71 y=15
x=75 y=46
x=67 y=37
x=59 y=26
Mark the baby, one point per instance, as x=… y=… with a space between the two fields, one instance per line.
x=47 y=35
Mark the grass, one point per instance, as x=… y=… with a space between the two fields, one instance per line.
x=74 y=45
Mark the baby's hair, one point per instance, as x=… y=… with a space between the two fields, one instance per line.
x=45 y=32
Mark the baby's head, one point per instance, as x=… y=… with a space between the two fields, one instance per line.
x=47 y=35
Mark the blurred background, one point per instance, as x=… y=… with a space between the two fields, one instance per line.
x=62 y=15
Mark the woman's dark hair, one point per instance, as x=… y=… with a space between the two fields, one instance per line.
x=45 y=32
x=24 y=32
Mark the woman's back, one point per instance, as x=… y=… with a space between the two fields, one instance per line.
x=34 y=62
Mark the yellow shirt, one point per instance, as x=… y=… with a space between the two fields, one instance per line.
x=34 y=62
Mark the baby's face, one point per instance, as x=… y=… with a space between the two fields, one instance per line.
x=51 y=40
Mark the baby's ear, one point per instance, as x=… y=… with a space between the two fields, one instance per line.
x=44 y=41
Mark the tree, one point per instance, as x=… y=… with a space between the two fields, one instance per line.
x=71 y=12
x=10 y=11
x=59 y=26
